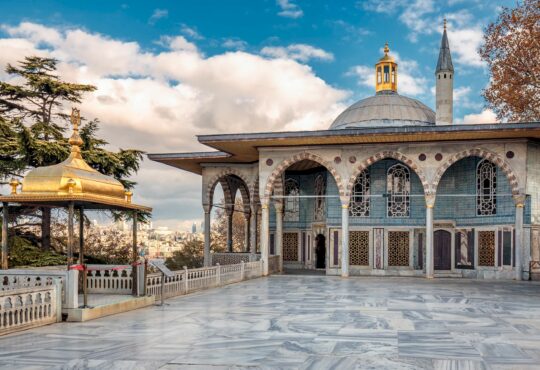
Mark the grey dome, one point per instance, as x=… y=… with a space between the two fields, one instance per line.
x=383 y=110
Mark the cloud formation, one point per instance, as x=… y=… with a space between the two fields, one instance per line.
x=159 y=101
x=300 y=52
x=289 y=9
x=157 y=15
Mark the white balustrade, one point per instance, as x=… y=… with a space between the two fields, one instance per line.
x=22 y=278
x=109 y=279
x=231 y=258
x=25 y=308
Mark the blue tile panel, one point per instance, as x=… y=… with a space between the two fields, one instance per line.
x=456 y=199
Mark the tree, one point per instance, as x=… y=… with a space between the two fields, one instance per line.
x=11 y=163
x=191 y=255
x=37 y=107
x=512 y=50
x=219 y=228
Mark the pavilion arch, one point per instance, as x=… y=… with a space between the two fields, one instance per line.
x=221 y=178
x=273 y=182
x=482 y=153
x=388 y=154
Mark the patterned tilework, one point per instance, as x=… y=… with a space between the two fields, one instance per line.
x=533 y=181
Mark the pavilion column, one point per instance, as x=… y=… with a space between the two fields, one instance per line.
x=430 y=203
x=207 y=213
x=230 y=213
x=519 y=201
x=259 y=233
x=265 y=230
x=278 y=239
x=253 y=232
x=134 y=257
x=345 y=239
x=71 y=236
x=81 y=236
x=5 y=221
x=247 y=217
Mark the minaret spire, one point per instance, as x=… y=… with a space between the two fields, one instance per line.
x=444 y=74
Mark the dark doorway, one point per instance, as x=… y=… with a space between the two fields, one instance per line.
x=320 y=251
x=442 y=250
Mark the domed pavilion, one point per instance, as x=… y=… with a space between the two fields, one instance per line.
x=391 y=188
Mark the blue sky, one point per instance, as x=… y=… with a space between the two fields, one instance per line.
x=167 y=70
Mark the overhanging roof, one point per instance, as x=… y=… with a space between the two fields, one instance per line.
x=243 y=148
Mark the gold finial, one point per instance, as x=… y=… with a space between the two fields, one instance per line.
x=14 y=183
x=444 y=24
x=128 y=195
x=386 y=49
x=75 y=140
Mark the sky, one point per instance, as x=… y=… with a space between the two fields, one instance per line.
x=167 y=71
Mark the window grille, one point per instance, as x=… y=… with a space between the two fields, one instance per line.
x=292 y=200
x=398 y=182
x=486 y=188
x=360 y=204
x=320 y=189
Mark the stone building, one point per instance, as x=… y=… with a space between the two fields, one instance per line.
x=391 y=188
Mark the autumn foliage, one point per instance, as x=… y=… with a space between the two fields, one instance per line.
x=512 y=50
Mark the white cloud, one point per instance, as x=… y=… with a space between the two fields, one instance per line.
x=414 y=16
x=233 y=43
x=464 y=44
x=159 y=101
x=191 y=32
x=300 y=52
x=289 y=9
x=486 y=116
x=157 y=15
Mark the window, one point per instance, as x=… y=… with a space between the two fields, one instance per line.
x=398 y=186
x=486 y=188
x=359 y=206
x=320 y=189
x=379 y=75
x=393 y=75
x=445 y=75
x=386 y=74
x=292 y=200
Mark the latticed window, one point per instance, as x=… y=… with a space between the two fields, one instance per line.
x=359 y=248
x=398 y=184
x=320 y=189
x=486 y=188
x=398 y=248
x=292 y=200
x=359 y=206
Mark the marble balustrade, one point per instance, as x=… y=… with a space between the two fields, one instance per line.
x=22 y=278
x=29 y=307
x=109 y=279
x=232 y=258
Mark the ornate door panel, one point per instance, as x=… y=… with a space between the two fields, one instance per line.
x=290 y=246
x=359 y=248
x=486 y=248
x=442 y=250
x=398 y=248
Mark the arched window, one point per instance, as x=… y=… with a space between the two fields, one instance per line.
x=486 y=188
x=398 y=186
x=360 y=195
x=379 y=78
x=292 y=200
x=320 y=190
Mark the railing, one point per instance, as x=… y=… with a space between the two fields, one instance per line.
x=26 y=308
x=186 y=281
x=17 y=279
x=109 y=279
x=273 y=264
x=233 y=258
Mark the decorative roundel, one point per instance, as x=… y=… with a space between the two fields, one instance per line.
x=352 y=159
x=337 y=160
x=509 y=154
x=438 y=156
x=422 y=157
x=269 y=162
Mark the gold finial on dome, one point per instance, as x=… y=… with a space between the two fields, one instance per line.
x=386 y=73
x=14 y=183
x=75 y=140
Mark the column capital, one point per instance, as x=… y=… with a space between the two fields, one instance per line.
x=207 y=208
x=519 y=200
x=265 y=202
x=278 y=207
x=430 y=200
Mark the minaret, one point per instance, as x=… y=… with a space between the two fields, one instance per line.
x=444 y=75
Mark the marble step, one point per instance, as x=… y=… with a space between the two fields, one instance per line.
x=447 y=274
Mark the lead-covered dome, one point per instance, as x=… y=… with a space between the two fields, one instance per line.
x=385 y=109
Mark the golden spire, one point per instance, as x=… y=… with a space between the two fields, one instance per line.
x=75 y=140
x=386 y=73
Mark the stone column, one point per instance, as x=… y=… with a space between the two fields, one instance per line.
x=253 y=232
x=71 y=237
x=230 y=213
x=519 y=201
x=134 y=257
x=345 y=239
x=265 y=231
x=207 y=212
x=259 y=234
x=278 y=239
x=247 y=216
x=5 y=221
x=81 y=235
x=430 y=203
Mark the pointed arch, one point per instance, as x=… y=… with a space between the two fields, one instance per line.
x=273 y=183
x=482 y=153
x=221 y=178
x=388 y=154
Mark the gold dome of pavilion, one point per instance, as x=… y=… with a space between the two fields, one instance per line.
x=73 y=176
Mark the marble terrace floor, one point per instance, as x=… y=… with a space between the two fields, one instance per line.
x=304 y=322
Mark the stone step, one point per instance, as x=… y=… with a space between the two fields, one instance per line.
x=447 y=274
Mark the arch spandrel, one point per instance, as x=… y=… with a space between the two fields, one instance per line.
x=246 y=186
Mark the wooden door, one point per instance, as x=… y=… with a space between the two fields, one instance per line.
x=442 y=250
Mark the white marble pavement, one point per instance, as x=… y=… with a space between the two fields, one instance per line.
x=304 y=322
